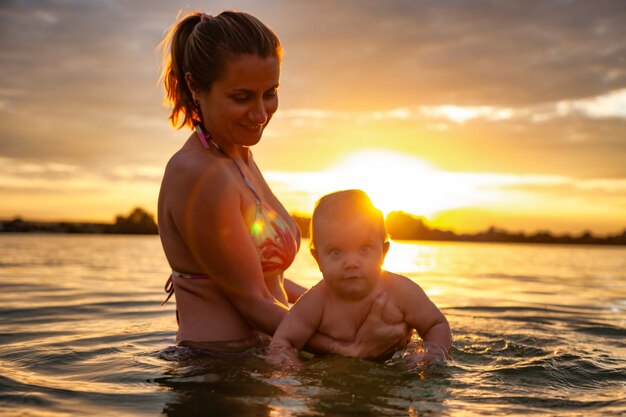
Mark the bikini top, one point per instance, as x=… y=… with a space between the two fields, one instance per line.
x=276 y=243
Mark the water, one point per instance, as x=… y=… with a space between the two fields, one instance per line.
x=539 y=330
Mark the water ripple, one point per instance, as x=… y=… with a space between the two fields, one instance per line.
x=543 y=338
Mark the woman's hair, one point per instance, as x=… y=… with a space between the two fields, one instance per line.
x=343 y=206
x=201 y=45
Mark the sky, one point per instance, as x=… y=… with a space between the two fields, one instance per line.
x=470 y=113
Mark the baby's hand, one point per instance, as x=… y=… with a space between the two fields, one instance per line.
x=278 y=355
x=431 y=353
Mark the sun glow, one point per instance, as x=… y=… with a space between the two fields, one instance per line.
x=399 y=182
x=458 y=201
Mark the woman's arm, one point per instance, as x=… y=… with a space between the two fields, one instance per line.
x=294 y=291
x=214 y=229
x=210 y=219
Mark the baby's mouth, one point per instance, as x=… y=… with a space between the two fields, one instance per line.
x=352 y=277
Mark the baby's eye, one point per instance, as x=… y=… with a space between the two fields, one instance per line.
x=366 y=248
x=335 y=252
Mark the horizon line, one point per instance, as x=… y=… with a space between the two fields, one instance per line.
x=308 y=217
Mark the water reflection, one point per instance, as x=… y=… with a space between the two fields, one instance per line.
x=328 y=385
x=538 y=330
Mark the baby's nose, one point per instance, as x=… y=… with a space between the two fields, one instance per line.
x=351 y=261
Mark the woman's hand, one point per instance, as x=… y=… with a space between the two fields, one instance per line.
x=293 y=290
x=375 y=337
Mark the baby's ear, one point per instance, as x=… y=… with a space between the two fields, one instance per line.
x=385 y=248
x=317 y=259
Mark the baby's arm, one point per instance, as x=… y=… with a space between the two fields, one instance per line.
x=421 y=314
x=297 y=327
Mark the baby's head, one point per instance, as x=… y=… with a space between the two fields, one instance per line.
x=342 y=206
x=349 y=241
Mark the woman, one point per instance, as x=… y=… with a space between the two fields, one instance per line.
x=226 y=236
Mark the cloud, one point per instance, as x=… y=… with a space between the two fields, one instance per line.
x=609 y=105
x=24 y=176
x=387 y=54
x=612 y=104
x=460 y=114
x=502 y=54
x=484 y=86
x=493 y=191
x=613 y=189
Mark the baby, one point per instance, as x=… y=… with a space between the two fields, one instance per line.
x=349 y=242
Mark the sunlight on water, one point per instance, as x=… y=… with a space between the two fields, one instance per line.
x=410 y=258
x=538 y=330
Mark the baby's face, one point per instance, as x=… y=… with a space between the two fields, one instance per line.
x=350 y=255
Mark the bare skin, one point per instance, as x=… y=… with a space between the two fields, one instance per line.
x=205 y=214
x=321 y=310
x=203 y=196
x=350 y=253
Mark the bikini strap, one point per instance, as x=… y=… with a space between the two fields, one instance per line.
x=169 y=289
x=205 y=139
x=169 y=284
x=202 y=137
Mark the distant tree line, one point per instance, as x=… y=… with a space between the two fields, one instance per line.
x=400 y=226
x=404 y=226
x=138 y=222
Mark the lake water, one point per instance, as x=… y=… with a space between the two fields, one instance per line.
x=538 y=330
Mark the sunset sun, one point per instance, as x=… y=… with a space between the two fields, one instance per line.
x=399 y=182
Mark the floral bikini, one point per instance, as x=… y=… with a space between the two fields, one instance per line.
x=276 y=243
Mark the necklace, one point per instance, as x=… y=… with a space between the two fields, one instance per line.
x=205 y=139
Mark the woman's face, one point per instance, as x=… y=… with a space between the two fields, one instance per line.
x=240 y=104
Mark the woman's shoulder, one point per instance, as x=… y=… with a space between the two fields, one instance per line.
x=196 y=166
x=196 y=179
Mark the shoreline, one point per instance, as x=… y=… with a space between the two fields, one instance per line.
x=406 y=231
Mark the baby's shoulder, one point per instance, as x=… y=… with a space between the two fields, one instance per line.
x=313 y=300
x=393 y=279
x=317 y=292
x=397 y=284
